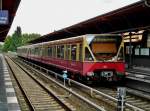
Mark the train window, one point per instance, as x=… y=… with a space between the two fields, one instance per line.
x=46 y=51
x=39 y=51
x=68 y=52
x=54 y=51
x=50 y=51
x=121 y=54
x=43 y=51
x=73 y=52
x=80 y=52
x=62 y=51
x=88 y=56
x=35 y=51
x=58 y=51
x=32 y=51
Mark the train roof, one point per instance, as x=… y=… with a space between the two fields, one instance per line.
x=71 y=38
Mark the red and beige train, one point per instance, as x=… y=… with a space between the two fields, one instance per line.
x=97 y=57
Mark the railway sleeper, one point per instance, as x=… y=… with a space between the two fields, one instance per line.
x=132 y=101
x=43 y=102
x=39 y=96
x=145 y=106
x=130 y=98
x=43 y=99
x=148 y=109
x=48 y=109
x=47 y=105
x=64 y=96
x=140 y=103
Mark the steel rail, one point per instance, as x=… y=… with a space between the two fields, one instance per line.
x=20 y=86
x=46 y=89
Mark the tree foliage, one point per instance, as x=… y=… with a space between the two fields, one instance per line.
x=18 y=39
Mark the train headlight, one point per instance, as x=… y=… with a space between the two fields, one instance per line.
x=106 y=73
x=90 y=73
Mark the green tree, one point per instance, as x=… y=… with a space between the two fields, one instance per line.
x=18 y=39
x=7 y=43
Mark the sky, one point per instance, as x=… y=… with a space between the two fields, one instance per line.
x=45 y=16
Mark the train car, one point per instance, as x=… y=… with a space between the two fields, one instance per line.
x=91 y=57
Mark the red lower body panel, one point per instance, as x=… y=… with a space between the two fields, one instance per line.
x=82 y=68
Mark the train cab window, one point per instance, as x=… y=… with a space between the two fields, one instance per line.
x=50 y=51
x=68 y=52
x=121 y=54
x=73 y=52
x=88 y=56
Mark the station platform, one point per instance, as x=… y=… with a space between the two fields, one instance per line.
x=8 y=99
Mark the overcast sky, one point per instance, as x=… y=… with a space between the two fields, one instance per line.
x=45 y=16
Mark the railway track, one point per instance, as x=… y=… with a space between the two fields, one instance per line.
x=138 y=74
x=20 y=96
x=39 y=98
x=139 y=80
x=131 y=99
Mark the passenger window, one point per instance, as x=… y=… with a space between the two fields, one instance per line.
x=88 y=56
x=62 y=51
x=68 y=52
x=43 y=51
x=50 y=51
x=40 y=51
x=73 y=52
x=58 y=51
x=54 y=51
x=33 y=51
x=46 y=51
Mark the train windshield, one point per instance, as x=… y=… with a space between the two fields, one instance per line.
x=105 y=47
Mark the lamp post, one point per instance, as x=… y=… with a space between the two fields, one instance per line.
x=130 y=50
x=1 y=4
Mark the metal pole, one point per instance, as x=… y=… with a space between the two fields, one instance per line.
x=122 y=103
x=130 y=51
x=64 y=82
x=121 y=93
x=1 y=4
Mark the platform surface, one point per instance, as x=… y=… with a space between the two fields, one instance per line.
x=8 y=99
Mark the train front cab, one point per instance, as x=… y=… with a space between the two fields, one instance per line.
x=103 y=58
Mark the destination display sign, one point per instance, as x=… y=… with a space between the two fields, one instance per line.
x=4 y=17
